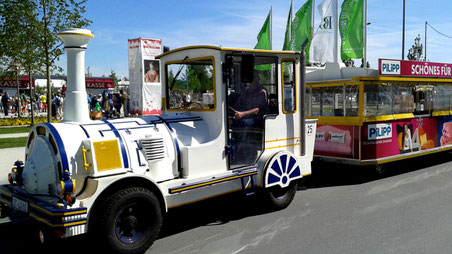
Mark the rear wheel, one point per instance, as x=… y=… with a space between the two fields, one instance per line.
x=130 y=220
x=380 y=169
x=277 y=198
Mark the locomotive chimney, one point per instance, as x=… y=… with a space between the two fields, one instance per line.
x=76 y=104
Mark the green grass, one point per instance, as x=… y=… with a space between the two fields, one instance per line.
x=15 y=130
x=13 y=142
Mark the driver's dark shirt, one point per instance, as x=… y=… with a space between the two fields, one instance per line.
x=256 y=98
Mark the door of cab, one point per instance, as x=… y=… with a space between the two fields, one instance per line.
x=251 y=89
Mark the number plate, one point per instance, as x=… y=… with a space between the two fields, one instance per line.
x=20 y=205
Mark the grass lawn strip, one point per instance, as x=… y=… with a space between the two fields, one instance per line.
x=10 y=130
x=13 y=142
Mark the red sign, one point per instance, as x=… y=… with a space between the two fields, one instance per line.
x=414 y=68
x=8 y=82
x=99 y=83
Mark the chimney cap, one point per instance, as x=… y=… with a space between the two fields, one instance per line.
x=75 y=37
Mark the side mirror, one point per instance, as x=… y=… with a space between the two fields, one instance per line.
x=247 y=69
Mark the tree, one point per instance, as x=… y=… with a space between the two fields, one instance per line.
x=114 y=77
x=19 y=53
x=53 y=16
x=28 y=34
x=416 y=51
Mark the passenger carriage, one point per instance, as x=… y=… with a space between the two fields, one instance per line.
x=372 y=117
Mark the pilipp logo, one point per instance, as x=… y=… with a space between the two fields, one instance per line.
x=379 y=131
x=390 y=67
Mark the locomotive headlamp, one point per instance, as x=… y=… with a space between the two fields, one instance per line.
x=66 y=188
x=15 y=177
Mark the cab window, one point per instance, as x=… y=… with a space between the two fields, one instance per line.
x=190 y=84
x=289 y=89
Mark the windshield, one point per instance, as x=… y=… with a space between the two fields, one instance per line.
x=190 y=84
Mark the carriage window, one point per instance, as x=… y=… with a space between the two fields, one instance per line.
x=339 y=100
x=377 y=100
x=315 y=101
x=352 y=100
x=190 y=84
x=403 y=98
x=441 y=97
x=327 y=101
x=422 y=99
x=289 y=89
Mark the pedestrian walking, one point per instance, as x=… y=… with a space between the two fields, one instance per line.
x=5 y=103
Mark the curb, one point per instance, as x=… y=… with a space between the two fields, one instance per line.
x=14 y=135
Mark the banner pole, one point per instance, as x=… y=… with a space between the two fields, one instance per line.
x=271 y=27
x=403 y=33
x=336 y=34
x=365 y=36
x=425 y=55
x=312 y=20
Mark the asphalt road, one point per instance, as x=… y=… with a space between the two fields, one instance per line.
x=340 y=209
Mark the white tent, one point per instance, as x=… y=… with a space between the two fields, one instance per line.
x=57 y=83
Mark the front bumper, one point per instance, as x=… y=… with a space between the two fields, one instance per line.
x=50 y=211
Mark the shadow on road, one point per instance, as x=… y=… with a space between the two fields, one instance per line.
x=328 y=174
x=212 y=212
x=22 y=238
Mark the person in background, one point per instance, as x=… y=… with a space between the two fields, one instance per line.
x=61 y=106
x=107 y=101
x=89 y=101
x=16 y=104
x=5 y=103
x=124 y=100
x=1 y=103
x=93 y=102
x=44 y=102
x=118 y=104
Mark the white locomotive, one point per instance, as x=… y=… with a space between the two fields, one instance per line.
x=118 y=177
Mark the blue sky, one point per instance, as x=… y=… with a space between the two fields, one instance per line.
x=236 y=23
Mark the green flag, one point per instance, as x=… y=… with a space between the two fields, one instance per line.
x=351 y=29
x=263 y=38
x=287 y=38
x=301 y=27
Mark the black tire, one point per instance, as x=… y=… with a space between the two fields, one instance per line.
x=380 y=169
x=277 y=198
x=130 y=220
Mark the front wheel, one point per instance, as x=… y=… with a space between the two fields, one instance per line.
x=131 y=220
x=277 y=198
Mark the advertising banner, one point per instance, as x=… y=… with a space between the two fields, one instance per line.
x=151 y=48
x=401 y=137
x=337 y=141
x=414 y=68
x=351 y=29
x=323 y=42
x=144 y=75
x=380 y=140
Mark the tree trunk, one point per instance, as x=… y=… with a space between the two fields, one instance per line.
x=19 y=108
x=49 y=94
x=32 y=110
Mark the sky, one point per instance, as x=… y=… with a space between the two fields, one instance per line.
x=236 y=23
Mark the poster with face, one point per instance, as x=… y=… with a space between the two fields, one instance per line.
x=445 y=131
x=151 y=71
x=144 y=76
